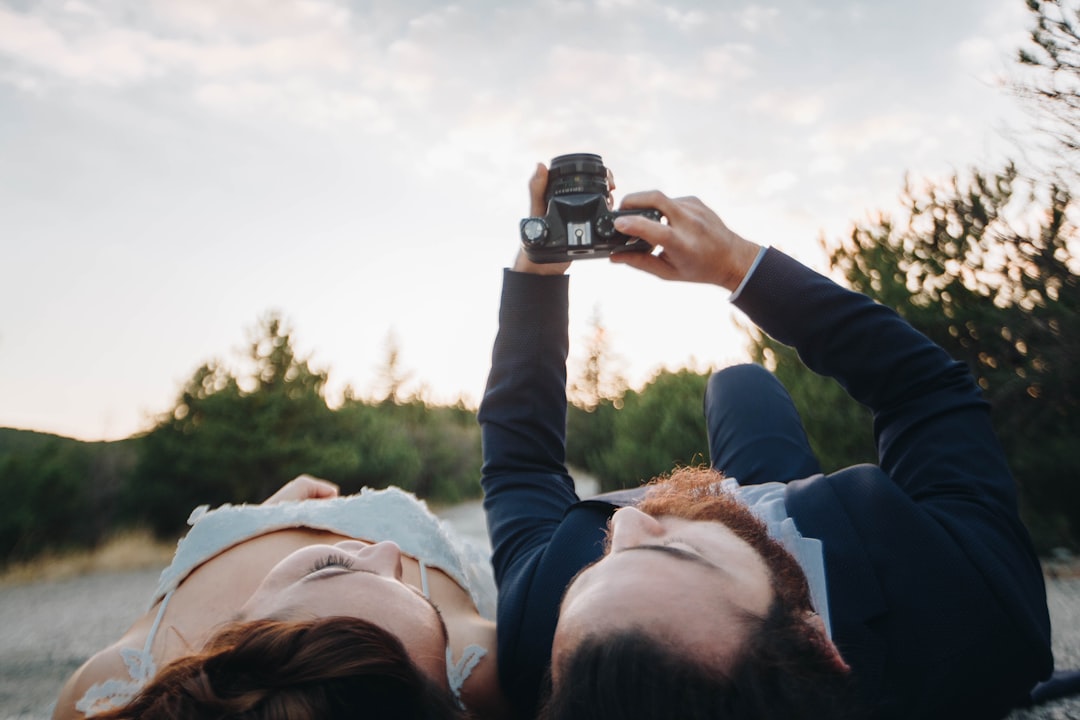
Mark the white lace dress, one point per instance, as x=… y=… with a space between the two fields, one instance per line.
x=377 y=515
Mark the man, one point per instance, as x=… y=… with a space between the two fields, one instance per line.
x=773 y=591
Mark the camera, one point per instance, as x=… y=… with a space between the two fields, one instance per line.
x=579 y=223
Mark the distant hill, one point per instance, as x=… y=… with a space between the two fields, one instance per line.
x=14 y=441
x=103 y=460
x=60 y=493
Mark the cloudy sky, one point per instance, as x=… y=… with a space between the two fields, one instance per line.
x=173 y=170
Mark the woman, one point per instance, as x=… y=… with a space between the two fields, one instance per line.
x=378 y=557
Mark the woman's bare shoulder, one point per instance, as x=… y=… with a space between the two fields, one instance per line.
x=104 y=665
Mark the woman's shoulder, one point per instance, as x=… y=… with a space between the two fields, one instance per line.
x=104 y=681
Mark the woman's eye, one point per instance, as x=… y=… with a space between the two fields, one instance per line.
x=341 y=561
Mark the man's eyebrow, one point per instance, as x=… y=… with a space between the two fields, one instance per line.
x=676 y=552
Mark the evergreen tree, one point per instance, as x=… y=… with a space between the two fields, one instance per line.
x=1051 y=87
x=595 y=397
x=657 y=428
x=839 y=429
x=984 y=266
x=222 y=443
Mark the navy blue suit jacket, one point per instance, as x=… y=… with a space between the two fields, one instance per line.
x=936 y=597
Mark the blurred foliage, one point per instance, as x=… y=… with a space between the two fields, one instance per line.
x=642 y=434
x=235 y=439
x=222 y=443
x=984 y=265
x=839 y=429
x=1049 y=85
x=59 y=493
x=600 y=380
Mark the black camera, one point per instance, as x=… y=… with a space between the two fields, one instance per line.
x=579 y=222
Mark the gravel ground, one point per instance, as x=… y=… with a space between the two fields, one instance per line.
x=48 y=629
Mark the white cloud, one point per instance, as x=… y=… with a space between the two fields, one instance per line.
x=111 y=57
x=733 y=61
x=311 y=106
x=790 y=107
x=990 y=51
x=827 y=164
x=563 y=8
x=87 y=48
x=437 y=20
x=685 y=21
x=239 y=19
x=776 y=183
x=755 y=18
x=876 y=130
x=609 y=6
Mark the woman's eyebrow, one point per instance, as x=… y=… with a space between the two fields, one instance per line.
x=438 y=613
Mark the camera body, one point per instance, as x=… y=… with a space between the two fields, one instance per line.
x=579 y=222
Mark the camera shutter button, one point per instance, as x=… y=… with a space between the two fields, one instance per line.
x=534 y=231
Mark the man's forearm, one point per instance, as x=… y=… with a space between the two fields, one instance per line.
x=523 y=412
x=929 y=414
x=523 y=419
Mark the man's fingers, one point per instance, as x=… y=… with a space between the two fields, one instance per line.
x=537 y=187
x=652 y=199
x=652 y=264
x=651 y=231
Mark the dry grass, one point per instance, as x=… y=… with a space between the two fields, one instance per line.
x=131 y=550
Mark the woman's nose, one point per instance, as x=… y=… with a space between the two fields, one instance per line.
x=630 y=527
x=381 y=558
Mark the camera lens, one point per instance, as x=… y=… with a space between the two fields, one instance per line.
x=577 y=173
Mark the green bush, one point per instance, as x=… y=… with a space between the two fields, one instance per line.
x=59 y=493
x=657 y=428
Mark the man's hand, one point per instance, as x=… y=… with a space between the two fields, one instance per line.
x=695 y=245
x=303 y=487
x=537 y=186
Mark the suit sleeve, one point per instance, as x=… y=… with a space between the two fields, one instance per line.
x=934 y=438
x=523 y=420
x=931 y=424
x=537 y=546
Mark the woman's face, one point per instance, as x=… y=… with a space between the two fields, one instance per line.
x=357 y=580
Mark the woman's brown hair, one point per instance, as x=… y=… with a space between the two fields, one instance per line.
x=321 y=669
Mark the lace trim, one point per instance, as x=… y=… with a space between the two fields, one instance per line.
x=458 y=672
x=114 y=692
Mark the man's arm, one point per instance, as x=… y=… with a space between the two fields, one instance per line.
x=523 y=421
x=929 y=415
x=954 y=530
x=523 y=413
x=935 y=440
x=527 y=490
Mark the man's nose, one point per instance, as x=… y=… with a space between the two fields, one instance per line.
x=631 y=527
x=382 y=558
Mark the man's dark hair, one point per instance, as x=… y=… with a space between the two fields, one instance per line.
x=783 y=670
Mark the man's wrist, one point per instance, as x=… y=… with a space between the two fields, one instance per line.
x=749 y=272
x=523 y=264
